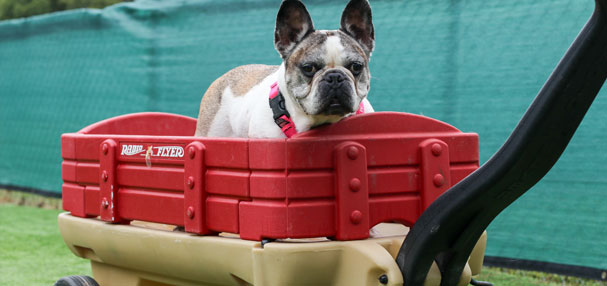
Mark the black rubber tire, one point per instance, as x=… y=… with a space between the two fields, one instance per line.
x=76 y=280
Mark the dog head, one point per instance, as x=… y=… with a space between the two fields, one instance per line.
x=326 y=73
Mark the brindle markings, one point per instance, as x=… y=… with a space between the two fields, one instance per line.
x=312 y=48
x=240 y=80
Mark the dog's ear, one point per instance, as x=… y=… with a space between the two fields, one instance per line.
x=293 y=23
x=356 y=21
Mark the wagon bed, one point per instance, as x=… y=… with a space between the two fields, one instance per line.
x=336 y=181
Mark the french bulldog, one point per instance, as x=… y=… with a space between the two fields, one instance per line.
x=324 y=77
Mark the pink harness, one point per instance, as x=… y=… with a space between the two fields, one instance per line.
x=282 y=116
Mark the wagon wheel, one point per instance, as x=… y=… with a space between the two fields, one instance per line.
x=76 y=280
x=448 y=230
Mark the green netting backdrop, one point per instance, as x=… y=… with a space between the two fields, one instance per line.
x=476 y=64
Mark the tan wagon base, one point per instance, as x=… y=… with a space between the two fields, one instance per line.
x=132 y=255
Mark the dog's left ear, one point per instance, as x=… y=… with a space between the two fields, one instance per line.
x=293 y=23
x=357 y=22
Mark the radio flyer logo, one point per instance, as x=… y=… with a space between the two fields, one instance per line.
x=130 y=150
x=145 y=150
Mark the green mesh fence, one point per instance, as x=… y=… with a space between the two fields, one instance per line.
x=476 y=64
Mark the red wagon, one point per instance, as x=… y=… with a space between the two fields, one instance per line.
x=337 y=181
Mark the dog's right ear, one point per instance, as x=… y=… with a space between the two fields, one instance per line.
x=357 y=22
x=293 y=23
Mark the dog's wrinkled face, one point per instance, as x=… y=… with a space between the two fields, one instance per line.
x=326 y=72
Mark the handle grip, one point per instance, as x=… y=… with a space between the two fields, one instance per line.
x=448 y=230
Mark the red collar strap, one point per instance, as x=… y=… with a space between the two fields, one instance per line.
x=282 y=116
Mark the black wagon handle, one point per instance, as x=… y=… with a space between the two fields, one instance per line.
x=448 y=230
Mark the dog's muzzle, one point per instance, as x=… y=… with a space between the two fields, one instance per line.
x=335 y=94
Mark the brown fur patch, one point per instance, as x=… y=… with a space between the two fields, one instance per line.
x=240 y=80
x=348 y=41
x=243 y=78
x=310 y=43
x=295 y=57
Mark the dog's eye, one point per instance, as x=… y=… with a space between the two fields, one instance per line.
x=356 y=68
x=308 y=70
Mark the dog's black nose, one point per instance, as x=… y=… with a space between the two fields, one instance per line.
x=335 y=77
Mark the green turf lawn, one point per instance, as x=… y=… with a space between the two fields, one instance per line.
x=32 y=251
x=510 y=277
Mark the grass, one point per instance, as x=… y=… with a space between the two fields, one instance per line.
x=32 y=251
x=513 y=277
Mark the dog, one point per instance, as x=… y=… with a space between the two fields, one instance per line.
x=324 y=77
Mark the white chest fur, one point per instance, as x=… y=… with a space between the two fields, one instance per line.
x=250 y=115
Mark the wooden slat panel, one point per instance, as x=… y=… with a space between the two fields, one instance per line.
x=403 y=209
x=93 y=201
x=140 y=176
x=263 y=219
x=268 y=184
x=73 y=199
x=310 y=184
x=393 y=180
x=224 y=152
x=388 y=150
x=311 y=219
x=222 y=214
x=153 y=206
x=227 y=182
x=267 y=154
